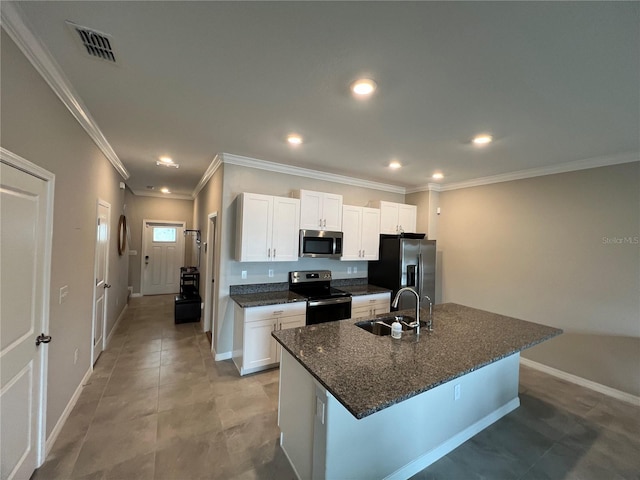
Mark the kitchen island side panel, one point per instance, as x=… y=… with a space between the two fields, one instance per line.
x=296 y=412
x=401 y=440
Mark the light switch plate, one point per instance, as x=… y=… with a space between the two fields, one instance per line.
x=64 y=291
x=244 y=274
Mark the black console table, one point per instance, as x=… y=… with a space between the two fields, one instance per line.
x=187 y=304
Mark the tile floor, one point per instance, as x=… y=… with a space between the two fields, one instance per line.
x=158 y=407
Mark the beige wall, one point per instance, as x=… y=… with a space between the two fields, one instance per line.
x=209 y=202
x=537 y=249
x=140 y=208
x=38 y=127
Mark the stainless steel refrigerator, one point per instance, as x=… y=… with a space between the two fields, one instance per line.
x=406 y=260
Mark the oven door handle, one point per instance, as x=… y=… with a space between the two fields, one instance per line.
x=328 y=301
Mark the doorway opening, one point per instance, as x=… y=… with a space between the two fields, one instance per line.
x=211 y=292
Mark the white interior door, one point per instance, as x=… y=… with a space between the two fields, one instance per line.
x=25 y=237
x=101 y=272
x=162 y=256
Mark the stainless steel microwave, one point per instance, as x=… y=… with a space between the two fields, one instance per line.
x=320 y=244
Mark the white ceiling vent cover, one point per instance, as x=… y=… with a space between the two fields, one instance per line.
x=95 y=43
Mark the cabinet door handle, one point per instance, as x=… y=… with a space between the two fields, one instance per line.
x=274 y=327
x=268 y=253
x=274 y=253
x=320 y=223
x=278 y=312
x=362 y=253
x=325 y=222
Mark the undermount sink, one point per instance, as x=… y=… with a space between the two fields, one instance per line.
x=382 y=326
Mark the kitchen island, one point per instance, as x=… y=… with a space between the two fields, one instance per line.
x=357 y=405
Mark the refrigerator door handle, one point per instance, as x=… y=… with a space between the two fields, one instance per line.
x=419 y=275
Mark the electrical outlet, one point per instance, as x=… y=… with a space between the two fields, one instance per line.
x=349 y=270
x=456 y=392
x=270 y=273
x=244 y=274
x=75 y=357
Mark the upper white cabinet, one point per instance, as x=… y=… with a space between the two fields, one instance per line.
x=396 y=217
x=320 y=211
x=361 y=233
x=267 y=228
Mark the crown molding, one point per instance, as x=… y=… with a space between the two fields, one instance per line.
x=35 y=51
x=587 y=163
x=308 y=173
x=166 y=196
x=209 y=172
x=429 y=187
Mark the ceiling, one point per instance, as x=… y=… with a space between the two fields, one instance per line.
x=552 y=82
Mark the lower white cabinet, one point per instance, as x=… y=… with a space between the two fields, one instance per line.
x=367 y=306
x=254 y=348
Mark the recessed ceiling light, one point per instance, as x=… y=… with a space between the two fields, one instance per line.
x=394 y=164
x=437 y=176
x=166 y=164
x=482 y=139
x=166 y=159
x=294 y=139
x=363 y=87
x=165 y=190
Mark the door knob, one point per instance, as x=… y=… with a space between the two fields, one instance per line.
x=106 y=285
x=146 y=259
x=42 y=338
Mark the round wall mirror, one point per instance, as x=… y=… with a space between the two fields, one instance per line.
x=122 y=234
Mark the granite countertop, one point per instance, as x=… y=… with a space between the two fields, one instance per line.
x=357 y=290
x=258 y=295
x=260 y=299
x=367 y=373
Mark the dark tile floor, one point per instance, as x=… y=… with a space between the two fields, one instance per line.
x=158 y=407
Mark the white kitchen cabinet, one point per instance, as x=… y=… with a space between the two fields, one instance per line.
x=319 y=210
x=361 y=233
x=396 y=217
x=267 y=228
x=254 y=348
x=367 y=306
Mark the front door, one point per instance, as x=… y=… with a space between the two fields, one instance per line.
x=101 y=272
x=25 y=244
x=162 y=257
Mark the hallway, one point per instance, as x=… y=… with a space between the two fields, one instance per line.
x=158 y=407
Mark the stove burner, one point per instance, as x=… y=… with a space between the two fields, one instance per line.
x=315 y=285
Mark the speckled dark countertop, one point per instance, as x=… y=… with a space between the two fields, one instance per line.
x=367 y=373
x=260 y=299
x=357 y=290
x=258 y=295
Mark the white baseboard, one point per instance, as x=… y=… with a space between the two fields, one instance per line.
x=221 y=356
x=135 y=295
x=66 y=412
x=583 y=382
x=115 y=326
x=454 y=442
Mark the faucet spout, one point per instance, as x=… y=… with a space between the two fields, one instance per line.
x=394 y=304
x=430 y=320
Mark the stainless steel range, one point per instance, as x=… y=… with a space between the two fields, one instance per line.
x=324 y=302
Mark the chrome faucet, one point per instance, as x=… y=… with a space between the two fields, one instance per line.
x=430 y=320
x=394 y=304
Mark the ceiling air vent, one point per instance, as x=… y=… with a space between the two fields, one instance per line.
x=95 y=43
